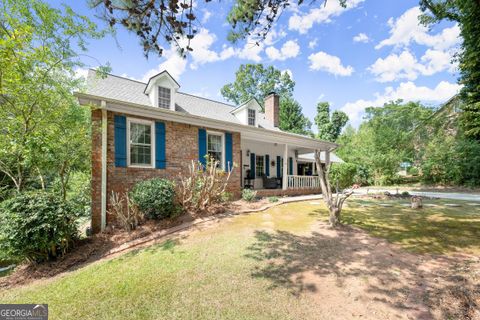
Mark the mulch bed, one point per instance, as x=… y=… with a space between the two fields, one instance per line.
x=98 y=246
x=87 y=251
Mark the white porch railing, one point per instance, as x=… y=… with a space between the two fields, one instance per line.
x=303 y=182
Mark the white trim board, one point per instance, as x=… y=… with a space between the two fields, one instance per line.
x=247 y=132
x=152 y=142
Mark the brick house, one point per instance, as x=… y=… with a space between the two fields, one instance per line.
x=145 y=130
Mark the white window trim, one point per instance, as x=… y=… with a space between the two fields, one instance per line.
x=263 y=162
x=158 y=96
x=222 y=134
x=256 y=116
x=152 y=149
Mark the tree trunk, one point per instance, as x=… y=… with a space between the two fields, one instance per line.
x=42 y=180
x=333 y=202
x=334 y=218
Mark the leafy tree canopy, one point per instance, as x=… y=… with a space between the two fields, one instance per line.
x=384 y=140
x=39 y=50
x=329 y=127
x=257 y=81
x=292 y=118
x=467 y=14
x=157 y=23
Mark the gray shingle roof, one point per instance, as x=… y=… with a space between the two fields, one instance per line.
x=123 y=89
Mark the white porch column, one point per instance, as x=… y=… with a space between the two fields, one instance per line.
x=327 y=158
x=285 y=168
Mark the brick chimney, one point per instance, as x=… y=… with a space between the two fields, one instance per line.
x=272 y=108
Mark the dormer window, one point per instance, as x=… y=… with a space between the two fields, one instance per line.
x=164 y=97
x=251 y=117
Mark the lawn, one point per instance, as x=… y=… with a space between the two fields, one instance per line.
x=437 y=228
x=283 y=263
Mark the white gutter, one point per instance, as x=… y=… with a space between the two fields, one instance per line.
x=248 y=132
x=104 y=167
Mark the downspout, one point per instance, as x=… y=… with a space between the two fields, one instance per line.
x=104 y=167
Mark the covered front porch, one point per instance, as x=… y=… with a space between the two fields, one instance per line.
x=277 y=168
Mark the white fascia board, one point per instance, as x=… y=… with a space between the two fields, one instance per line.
x=247 y=132
x=252 y=103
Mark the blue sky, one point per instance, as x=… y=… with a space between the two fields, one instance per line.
x=372 y=52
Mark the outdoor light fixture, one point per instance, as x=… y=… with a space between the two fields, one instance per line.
x=296 y=154
x=248 y=153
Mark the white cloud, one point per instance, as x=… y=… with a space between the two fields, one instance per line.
x=251 y=51
x=81 y=73
x=206 y=16
x=201 y=54
x=406 y=66
x=395 y=67
x=312 y=44
x=174 y=64
x=322 y=14
x=438 y=60
x=331 y=64
x=406 y=29
x=273 y=36
x=361 y=37
x=406 y=91
x=290 y=49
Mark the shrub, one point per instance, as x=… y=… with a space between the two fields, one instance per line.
x=343 y=174
x=413 y=171
x=226 y=196
x=249 y=195
x=202 y=187
x=273 y=199
x=155 y=198
x=37 y=227
x=405 y=194
x=79 y=194
x=125 y=211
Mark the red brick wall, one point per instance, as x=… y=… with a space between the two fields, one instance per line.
x=181 y=149
x=288 y=192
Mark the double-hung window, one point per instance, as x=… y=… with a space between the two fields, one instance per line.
x=251 y=117
x=260 y=166
x=140 y=143
x=215 y=147
x=163 y=97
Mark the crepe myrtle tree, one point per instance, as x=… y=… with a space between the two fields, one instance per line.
x=333 y=200
x=175 y=22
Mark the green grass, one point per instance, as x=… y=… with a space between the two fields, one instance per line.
x=434 y=229
x=205 y=276
x=217 y=272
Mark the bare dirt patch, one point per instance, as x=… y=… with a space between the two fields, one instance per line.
x=242 y=205
x=351 y=275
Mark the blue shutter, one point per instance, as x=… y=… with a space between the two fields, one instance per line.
x=228 y=151
x=267 y=165
x=120 y=139
x=160 y=158
x=279 y=169
x=252 y=165
x=290 y=165
x=202 y=146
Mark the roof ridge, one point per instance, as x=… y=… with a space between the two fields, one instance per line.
x=199 y=97
x=188 y=94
